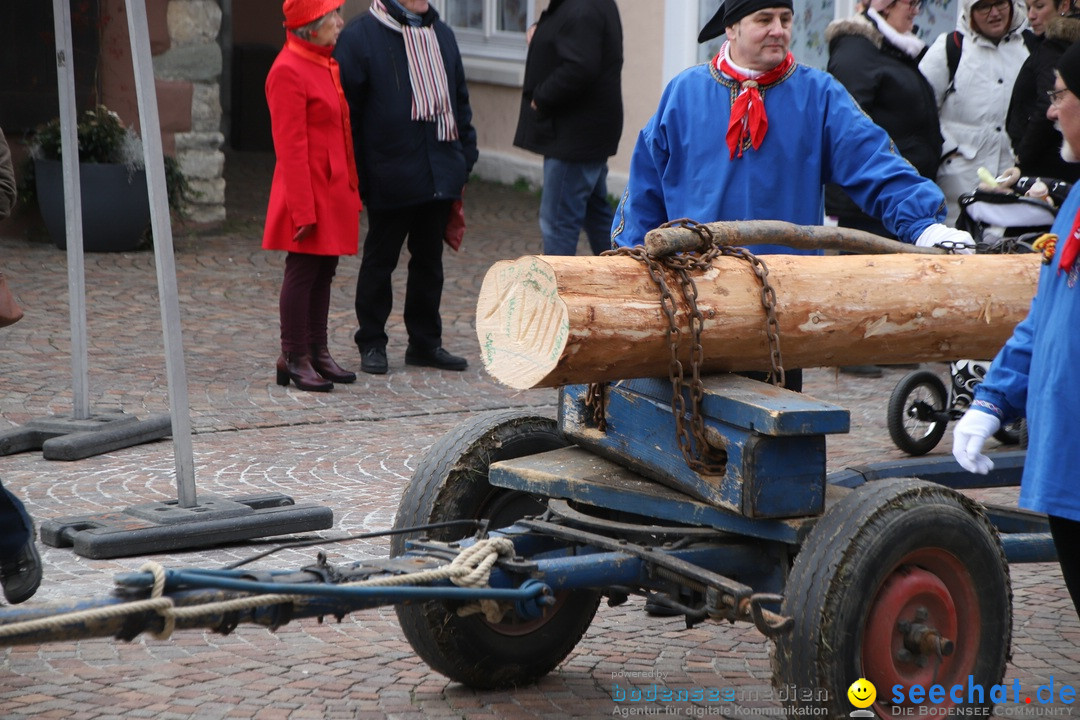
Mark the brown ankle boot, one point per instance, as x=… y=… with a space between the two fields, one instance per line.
x=297 y=367
x=327 y=367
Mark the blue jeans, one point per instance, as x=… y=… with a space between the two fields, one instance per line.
x=15 y=522
x=574 y=198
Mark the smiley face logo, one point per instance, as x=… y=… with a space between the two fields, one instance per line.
x=862 y=693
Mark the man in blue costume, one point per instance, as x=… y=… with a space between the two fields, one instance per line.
x=753 y=135
x=1034 y=374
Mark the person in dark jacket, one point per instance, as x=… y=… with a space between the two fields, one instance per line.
x=20 y=563
x=572 y=114
x=1036 y=142
x=403 y=78
x=875 y=55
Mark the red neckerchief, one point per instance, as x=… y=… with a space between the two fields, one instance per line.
x=1071 y=249
x=748 y=116
x=311 y=52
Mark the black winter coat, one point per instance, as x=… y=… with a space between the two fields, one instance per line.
x=573 y=72
x=400 y=161
x=1035 y=141
x=887 y=85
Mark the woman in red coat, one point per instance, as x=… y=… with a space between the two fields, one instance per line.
x=314 y=210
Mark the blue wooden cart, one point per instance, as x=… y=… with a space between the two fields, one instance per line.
x=886 y=572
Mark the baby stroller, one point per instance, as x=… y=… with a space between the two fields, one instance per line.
x=920 y=406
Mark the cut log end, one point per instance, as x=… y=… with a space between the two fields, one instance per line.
x=521 y=322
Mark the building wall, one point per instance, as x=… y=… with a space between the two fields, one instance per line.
x=187 y=62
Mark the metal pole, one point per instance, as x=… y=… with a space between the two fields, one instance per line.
x=69 y=159
x=160 y=223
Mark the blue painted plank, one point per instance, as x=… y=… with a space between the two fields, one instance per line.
x=763 y=476
x=752 y=405
x=577 y=474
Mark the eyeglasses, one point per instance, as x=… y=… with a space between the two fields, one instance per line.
x=984 y=8
x=1055 y=96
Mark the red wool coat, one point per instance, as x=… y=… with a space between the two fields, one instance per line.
x=315 y=175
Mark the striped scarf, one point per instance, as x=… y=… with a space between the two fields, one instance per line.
x=427 y=74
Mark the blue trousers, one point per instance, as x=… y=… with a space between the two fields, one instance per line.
x=15 y=524
x=575 y=198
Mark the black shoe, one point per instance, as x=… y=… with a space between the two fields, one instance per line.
x=373 y=361
x=872 y=371
x=437 y=358
x=21 y=574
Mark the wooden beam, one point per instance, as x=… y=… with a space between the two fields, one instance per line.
x=545 y=321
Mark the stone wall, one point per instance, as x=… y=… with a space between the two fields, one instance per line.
x=193 y=58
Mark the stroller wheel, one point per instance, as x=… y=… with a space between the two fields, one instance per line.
x=917 y=415
x=1013 y=433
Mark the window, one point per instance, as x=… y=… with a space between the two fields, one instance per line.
x=492 y=29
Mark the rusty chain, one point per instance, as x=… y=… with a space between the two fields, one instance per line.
x=692 y=442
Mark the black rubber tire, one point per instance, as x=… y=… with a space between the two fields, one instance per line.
x=1011 y=433
x=451 y=483
x=837 y=592
x=914 y=436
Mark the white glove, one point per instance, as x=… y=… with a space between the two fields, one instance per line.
x=969 y=436
x=940 y=235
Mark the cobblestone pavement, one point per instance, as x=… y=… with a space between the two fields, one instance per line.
x=353 y=450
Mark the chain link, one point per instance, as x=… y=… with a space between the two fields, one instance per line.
x=699 y=456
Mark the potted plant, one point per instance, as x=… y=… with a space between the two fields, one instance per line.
x=115 y=206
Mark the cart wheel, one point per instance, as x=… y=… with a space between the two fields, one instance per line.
x=913 y=405
x=451 y=483
x=902 y=582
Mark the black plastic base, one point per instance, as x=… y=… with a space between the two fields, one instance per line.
x=66 y=438
x=164 y=527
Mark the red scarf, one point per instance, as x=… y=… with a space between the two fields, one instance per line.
x=1071 y=249
x=311 y=52
x=748 y=116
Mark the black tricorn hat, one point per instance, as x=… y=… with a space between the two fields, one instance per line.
x=1068 y=67
x=732 y=11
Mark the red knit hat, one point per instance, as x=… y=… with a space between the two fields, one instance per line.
x=299 y=13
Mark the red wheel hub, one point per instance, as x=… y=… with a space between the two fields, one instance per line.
x=923 y=626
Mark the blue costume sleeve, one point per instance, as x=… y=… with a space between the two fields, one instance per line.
x=1006 y=383
x=642 y=207
x=863 y=160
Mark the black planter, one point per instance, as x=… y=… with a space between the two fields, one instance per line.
x=115 y=206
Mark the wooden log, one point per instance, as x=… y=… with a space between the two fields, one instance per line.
x=546 y=321
x=667 y=240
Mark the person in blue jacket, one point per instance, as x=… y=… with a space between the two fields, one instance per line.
x=415 y=146
x=1034 y=375
x=753 y=135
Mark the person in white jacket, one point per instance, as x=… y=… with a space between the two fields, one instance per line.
x=973 y=104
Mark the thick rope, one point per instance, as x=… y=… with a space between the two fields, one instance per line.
x=471 y=568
